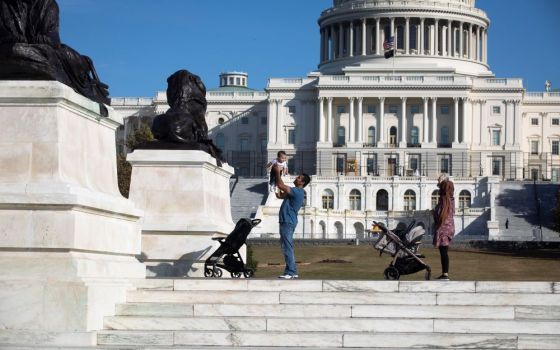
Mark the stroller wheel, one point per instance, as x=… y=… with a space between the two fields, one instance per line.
x=235 y=274
x=391 y=273
x=208 y=272
x=248 y=273
x=217 y=272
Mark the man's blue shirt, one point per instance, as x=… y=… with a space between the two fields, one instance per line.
x=291 y=205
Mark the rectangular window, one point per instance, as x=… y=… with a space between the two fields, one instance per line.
x=414 y=109
x=244 y=145
x=534 y=147
x=496 y=110
x=496 y=137
x=413 y=163
x=292 y=109
x=371 y=109
x=291 y=164
x=444 y=164
x=263 y=121
x=445 y=109
x=555 y=121
x=555 y=147
x=245 y=120
x=496 y=166
x=238 y=81
x=341 y=109
x=340 y=164
x=370 y=166
x=555 y=174
x=292 y=136
x=534 y=121
x=393 y=109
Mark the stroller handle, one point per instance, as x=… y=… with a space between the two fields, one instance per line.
x=255 y=222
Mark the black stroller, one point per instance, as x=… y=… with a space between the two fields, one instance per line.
x=227 y=255
x=402 y=244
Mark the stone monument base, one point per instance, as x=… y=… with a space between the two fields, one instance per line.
x=185 y=198
x=68 y=239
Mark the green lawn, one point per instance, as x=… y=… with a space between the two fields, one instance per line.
x=364 y=262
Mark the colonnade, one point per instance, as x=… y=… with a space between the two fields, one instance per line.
x=413 y=36
x=430 y=130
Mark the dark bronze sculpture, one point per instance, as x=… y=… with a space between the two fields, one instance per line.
x=184 y=126
x=30 y=49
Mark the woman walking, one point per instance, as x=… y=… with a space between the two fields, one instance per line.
x=444 y=221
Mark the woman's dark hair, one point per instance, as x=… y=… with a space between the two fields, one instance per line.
x=446 y=190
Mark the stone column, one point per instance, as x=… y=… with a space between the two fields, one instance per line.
x=483 y=133
x=329 y=120
x=508 y=124
x=467 y=117
x=478 y=43
x=351 y=121
x=434 y=120
x=456 y=121
x=517 y=124
x=360 y=128
x=471 y=53
x=279 y=122
x=425 y=125
x=407 y=36
x=340 y=40
x=450 y=47
x=322 y=46
x=380 y=118
x=364 y=36
x=436 y=38
x=461 y=41
x=378 y=41
x=421 y=49
x=351 y=41
x=271 y=122
x=333 y=43
x=403 y=123
x=320 y=102
x=485 y=45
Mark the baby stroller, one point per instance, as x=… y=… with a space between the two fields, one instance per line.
x=402 y=244
x=227 y=255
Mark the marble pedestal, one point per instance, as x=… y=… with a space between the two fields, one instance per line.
x=68 y=239
x=185 y=198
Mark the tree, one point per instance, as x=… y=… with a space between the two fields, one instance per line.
x=124 y=169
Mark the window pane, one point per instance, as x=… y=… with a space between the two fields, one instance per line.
x=555 y=147
x=291 y=137
x=244 y=120
x=534 y=147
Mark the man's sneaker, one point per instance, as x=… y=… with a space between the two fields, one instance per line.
x=288 y=277
x=443 y=278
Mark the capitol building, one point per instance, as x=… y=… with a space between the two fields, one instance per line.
x=375 y=133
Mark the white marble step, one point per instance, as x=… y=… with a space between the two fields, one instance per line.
x=296 y=325
x=339 y=311
x=302 y=285
x=155 y=340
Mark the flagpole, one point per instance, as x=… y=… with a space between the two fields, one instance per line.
x=395 y=54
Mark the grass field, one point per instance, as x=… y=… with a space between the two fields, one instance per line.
x=364 y=262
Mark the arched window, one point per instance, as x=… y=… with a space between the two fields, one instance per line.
x=371 y=135
x=382 y=200
x=341 y=135
x=221 y=141
x=339 y=230
x=393 y=135
x=323 y=228
x=355 y=200
x=328 y=199
x=414 y=135
x=464 y=199
x=409 y=200
x=435 y=198
x=359 y=230
x=445 y=135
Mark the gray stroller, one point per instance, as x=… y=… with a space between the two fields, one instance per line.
x=402 y=244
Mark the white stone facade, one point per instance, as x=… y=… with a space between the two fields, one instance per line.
x=363 y=124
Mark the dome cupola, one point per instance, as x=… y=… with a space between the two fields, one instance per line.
x=435 y=35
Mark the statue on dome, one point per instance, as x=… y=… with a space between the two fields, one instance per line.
x=184 y=126
x=547 y=86
x=30 y=49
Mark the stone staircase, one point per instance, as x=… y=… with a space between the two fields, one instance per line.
x=190 y=313
x=516 y=202
x=246 y=197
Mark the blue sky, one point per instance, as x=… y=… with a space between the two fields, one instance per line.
x=137 y=44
